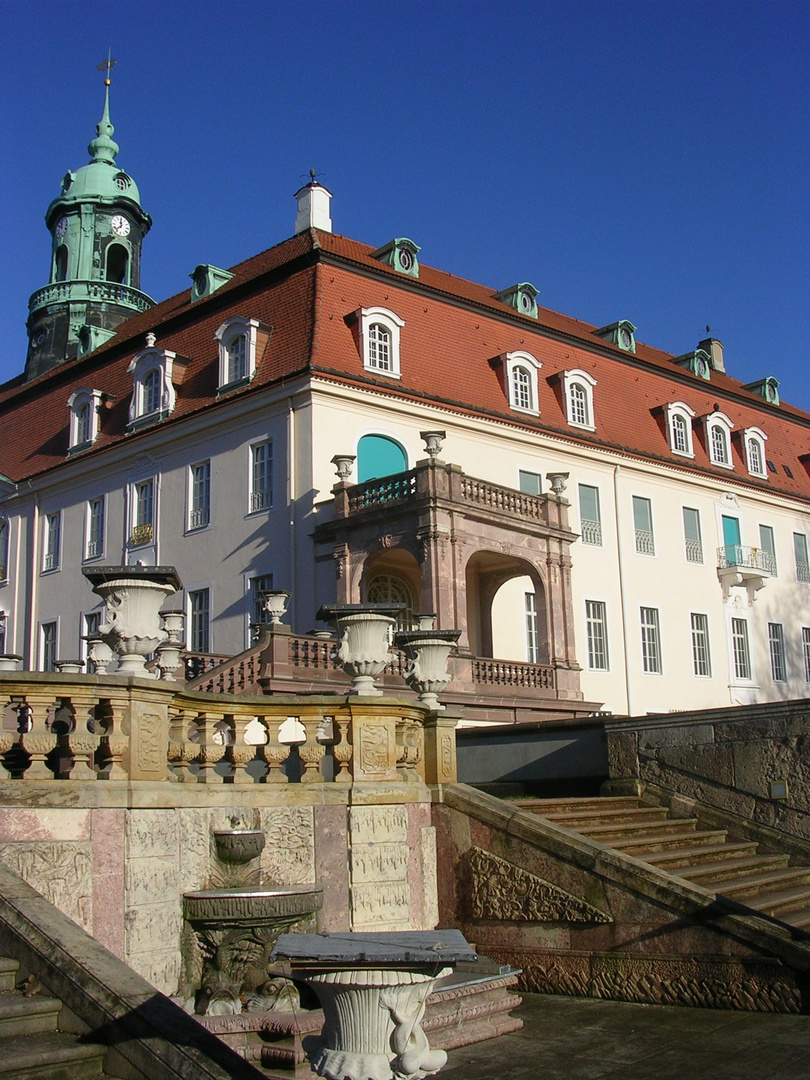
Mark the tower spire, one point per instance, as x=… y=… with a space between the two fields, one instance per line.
x=103 y=147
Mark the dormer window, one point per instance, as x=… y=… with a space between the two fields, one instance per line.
x=522 y=297
x=679 y=428
x=400 y=254
x=718 y=439
x=155 y=373
x=240 y=340
x=518 y=371
x=698 y=362
x=379 y=340
x=754 y=440
x=621 y=333
x=578 y=387
x=84 y=406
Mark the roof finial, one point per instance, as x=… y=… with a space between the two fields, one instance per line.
x=103 y=147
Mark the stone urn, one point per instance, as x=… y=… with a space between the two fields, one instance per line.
x=9 y=661
x=133 y=597
x=99 y=653
x=274 y=602
x=174 y=624
x=427 y=652
x=364 y=631
x=69 y=667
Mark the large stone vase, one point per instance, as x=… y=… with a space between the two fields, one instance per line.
x=427 y=652
x=364 y=649
x=131 y=624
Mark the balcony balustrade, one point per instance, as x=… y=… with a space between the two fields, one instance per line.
x=736 y=556
x=109 y=291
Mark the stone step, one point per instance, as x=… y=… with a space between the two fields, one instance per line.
x=574 y=819
x=618 y=831
x=786 y=902
x=696 y=856
x=641 y=845
x=583 y=802
x=49 y=1056
x=9 y=973
x=714 y=874
x=799 y=918
x=20 y=1015
x=773 y=881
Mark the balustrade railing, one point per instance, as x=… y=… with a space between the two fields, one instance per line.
x=745 y=558
x=387 y=489
x=110 y=291
x=645 y=542
x=591 y=532
x=512 y=674
x=95 y=729
x=507 y=500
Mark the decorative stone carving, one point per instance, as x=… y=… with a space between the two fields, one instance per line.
x=364 y=649
x=343 y=465
x=274 y=602
x=289 y=851
x=501 y=890
x=434 y=441
x=62 y=872
x=427 y=652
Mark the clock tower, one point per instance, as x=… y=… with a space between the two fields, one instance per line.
x=97 y=226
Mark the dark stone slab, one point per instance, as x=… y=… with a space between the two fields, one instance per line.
x=161 y=575
x=392 y=947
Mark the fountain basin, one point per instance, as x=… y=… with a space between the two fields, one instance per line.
x=263 y=906
x=239 y=845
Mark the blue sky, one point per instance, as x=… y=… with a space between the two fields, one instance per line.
x=641 y=160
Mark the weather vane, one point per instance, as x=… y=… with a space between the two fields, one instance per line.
x=312 y=173
x=107 y=65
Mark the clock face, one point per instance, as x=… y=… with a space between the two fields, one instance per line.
x=120 y=225
x=61 y=227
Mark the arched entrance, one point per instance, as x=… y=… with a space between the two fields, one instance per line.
x=506 y=608
x=393 y=577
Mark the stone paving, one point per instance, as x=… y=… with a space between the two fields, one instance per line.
x=566 y=1038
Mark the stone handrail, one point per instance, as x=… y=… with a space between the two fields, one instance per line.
x=512 y=674
x=110 y=291
x=507 y=500
x=103 y=728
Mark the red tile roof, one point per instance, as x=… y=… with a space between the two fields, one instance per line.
x=306 y=287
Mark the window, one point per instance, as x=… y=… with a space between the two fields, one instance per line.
x=394 y=590
x=379 y=456
x=84 y=408
x=53 y=543
x=578 y=388
x=800 y=555
x=776 y=645
x=241 y=343
x=739 y=645
x=679 y=425
x=95 y=528
x=4 y=546
x=754 y=444
x=701 y=657
x=596 y=626
x=532 y=642
x=261 y=476
x=199 y=612
x=642 y=521
x=47 y=646
x=258 y=585
x=718 y=439
x=520 y=372
x=117 y=263
x=806 y=652
x=60 y=271
x=199 y=503
x=650 y=641
x=691 y=535
x=3 y=620
x=153 y=394
x=379 y=340
x=143 y=512
x=590 y=516
x=768 y=545
x=530 y=483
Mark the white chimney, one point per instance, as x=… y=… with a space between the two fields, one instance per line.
x=313 y=208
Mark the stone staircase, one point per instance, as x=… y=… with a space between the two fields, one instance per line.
x=31 y=1045
x=737 y=869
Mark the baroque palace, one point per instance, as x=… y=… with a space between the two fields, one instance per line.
x=609 y=526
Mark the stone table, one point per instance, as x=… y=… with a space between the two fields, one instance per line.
x=373 y=989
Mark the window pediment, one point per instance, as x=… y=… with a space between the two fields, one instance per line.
x=679 y=419
x=156 y=374
x=242 y=342
x=753 y=446
x=578 y=395
x=717 y=430
x=518 y=372
x=84 y=405
x=379 y=340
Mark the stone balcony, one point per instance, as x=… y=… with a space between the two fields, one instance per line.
x=93 y=291
x=748 y=567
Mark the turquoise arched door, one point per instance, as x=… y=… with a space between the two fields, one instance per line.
x=377 y=456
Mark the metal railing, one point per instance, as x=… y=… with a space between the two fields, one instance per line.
x=803 y=572
x=694 y=551
x=198 y=518
x=50 y=562
x=747 y=558
x=591 y=532
x=387 y=489
x=261 y=500
x=645 y=542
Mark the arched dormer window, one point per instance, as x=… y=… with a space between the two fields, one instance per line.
x=379 y=340
x=84 y=408
x=578 y=387
x=60 y=269
x=155 y=373
x=754 y=440
x=520 y=378
x=718 y=430
x=679 y=428
x=117 y=264
x=241 y=340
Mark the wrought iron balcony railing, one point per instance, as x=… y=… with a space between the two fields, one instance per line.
x=736 y=556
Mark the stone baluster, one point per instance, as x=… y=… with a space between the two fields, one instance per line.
x=211 y=747
x=242 y=752
x=182 y=750
x=39 y=740
x=7 y=740
x=84 y=740
x=312 y=752
x=114 y=741
x=342 y=753
x=275 y=753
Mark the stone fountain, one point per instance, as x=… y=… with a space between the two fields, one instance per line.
x=234 y=928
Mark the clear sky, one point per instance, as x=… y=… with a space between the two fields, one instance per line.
x=641 y=160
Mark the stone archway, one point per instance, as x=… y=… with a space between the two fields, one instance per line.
x=486 y=573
